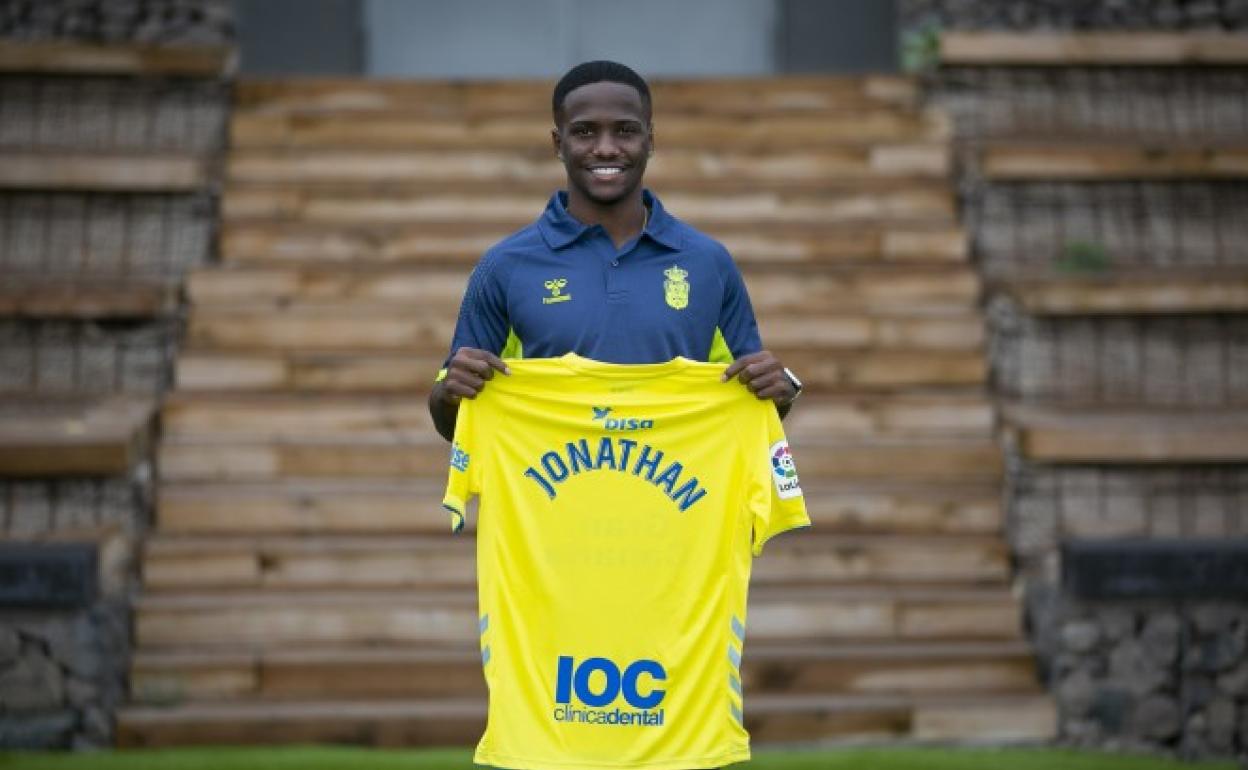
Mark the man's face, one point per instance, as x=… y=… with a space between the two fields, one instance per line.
x=604 y=135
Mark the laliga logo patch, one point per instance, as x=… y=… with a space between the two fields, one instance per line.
x=784 y=471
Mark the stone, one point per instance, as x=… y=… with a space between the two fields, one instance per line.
x=1160 y=638
x=1076 y=693
x=1082 y=732
x=1157 y=717
x=33 y=683
x=73 y=643
x=10 y=645
x=1211 y=619
x=1116 y=623
x=38 y=731
x=80 y=692
x=1131 y=668
x=1235 y=681
x=1110 y=708
x=1080 y=635
x=1218 y=652
x=1221 y=717
x=97 y=724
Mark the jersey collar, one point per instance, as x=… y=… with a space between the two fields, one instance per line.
x=559 y=228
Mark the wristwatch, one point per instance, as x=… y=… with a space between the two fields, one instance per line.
x=797 y=384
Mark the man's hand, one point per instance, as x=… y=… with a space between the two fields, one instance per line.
x=466 y=374
x=764 y=375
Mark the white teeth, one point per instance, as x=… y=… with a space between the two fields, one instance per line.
x=606 y=171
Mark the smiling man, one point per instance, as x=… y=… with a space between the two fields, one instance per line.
x=606 y=272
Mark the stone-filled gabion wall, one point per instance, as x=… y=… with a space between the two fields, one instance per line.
x=63 y=673
x=1159 y=676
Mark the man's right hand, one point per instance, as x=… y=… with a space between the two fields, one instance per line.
x=467 y=373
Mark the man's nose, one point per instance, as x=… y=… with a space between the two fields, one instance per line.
x=605 y=146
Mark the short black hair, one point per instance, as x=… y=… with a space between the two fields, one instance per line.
x=597 y=72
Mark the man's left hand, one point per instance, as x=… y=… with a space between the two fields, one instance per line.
x=764 y=375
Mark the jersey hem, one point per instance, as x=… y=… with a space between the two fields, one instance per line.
x=455 y=507
x=693 y=763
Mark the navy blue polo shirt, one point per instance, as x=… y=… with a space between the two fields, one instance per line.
x=559 y=286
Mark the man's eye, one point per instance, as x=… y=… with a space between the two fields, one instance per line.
x=630 y=130
x=582 y=131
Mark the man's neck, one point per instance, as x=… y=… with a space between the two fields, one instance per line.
x=622 y=220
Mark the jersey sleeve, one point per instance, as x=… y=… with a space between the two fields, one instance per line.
x=463 y=474
x=482 y=321
x=737 y=323
x=776 y=493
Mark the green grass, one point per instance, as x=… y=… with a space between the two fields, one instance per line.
x=337 y=758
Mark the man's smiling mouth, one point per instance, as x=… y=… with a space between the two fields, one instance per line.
x=606 y=172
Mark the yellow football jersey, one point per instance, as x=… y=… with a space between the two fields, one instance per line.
x=619 y=506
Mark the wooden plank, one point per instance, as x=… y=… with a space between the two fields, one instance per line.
x=80 y=437
x=910 y=204
x=449 y=618
x=338 y=506
x=287 y=416
x=355 y=673
x=1067 y=49
x=335 y=326
x=1128 y=436
x=751 y=242
x=391 y=724
x=1173 y=292
x=96 y=171
x=336 y=371
x=474 y=99
x=361 y=506
x=1032 y=720
x=877 y=288
x=1111 y=162
x=537 y=170
x=182 y=460
x=401 y=129
x=87 y=298
x=429 y=563
x=66 y=58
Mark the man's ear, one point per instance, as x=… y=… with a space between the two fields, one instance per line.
x=651 y=131
x=557 y=143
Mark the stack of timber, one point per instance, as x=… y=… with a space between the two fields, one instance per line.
x=302 y=584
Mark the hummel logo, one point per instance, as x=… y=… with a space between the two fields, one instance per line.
x=601 y=412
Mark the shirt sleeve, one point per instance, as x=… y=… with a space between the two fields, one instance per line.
x=736 y=323
x=776 y=494
x=464 y=471
x=483 y=321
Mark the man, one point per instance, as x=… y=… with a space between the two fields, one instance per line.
x=605 y=272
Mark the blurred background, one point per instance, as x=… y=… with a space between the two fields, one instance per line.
x=1001 y=242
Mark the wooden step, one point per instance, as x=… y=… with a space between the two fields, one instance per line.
x=334 y=325
x=775 y=289
x=1123 y=436
x=751 y=242
x=779 y=719
x=256 y=417
x=113 y=172
x=305 y=506
x=400 y=129
x=1017 y=162
x=535 y=168
x=173 y=564
x=449 y=617
x=412 y=507
x=183 y=459
x=86 y=297
x=338 y=371
x=983 y=719
x=912 y=668
x=101 y=436
x=915 y=203
x=1070 y=49
x=475 y=99
x=69 y=58
x=1160 y=292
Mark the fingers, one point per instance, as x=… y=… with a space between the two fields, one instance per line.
x=738 y=366
x=468 y=371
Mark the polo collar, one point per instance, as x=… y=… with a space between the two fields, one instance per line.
x=559 y=228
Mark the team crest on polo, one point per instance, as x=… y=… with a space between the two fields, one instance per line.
x=676 y=288
x=555 y=286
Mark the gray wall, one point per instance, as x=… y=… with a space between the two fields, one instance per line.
x=542 y=38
